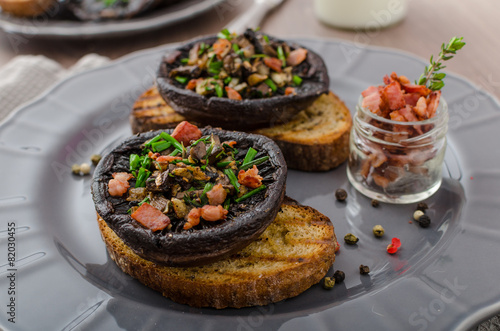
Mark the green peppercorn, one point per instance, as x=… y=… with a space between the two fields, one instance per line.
x=339 y=276
x=375 y=203
x=95 y=158
x=350 y=239
x=422 y=206
x=340 y=194
x=364 y=269
x=424 y=221
x=75 y=169
x=378 y=231
x=328 y=283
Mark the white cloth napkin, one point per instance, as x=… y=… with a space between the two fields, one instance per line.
x=27 y=76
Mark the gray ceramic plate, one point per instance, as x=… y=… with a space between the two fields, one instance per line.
x=155 y=19
x=444 y=277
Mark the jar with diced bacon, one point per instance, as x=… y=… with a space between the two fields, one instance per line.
x=398 y=141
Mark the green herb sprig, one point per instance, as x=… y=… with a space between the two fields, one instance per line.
x=431 y=78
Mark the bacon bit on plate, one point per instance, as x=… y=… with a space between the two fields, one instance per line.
x=250 y=178
x=191 y=85
x=193 y=218
x=150 y=217
x=153 y=156
x=394 y=246
x=217 y=195
x=185 y=132
x=290 y=91
x=119 y=185
x=273 y=63
x=296 y=57
x=433 y=103
x=394 y=96
x=221 y=48
x=421 y=107
x=213 y=213
x=231 y=143
x=232 y=93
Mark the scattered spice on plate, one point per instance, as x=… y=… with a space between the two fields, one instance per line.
x=339 y=276
x=340 y=194
x=378 y=231
x=95 y=158
x=375 y=203
x=422 y=206
x=350 y=239
x=364 y=269
x=417 y=214
x=328 y=283
x=424 y=221
x=85 y=169
x=75 y=169
x=394 y=246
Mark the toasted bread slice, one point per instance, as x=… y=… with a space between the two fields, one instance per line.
x=292 y=254
x=316 y=139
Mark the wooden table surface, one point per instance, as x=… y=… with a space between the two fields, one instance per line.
x=428 y=24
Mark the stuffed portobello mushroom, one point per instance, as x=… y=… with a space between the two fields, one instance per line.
x=187 y=197
x=241 y=82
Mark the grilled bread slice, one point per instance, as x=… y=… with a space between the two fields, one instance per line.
x=316 y=139
x=292 y=254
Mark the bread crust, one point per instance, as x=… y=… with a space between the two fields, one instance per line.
x=317 y=139
x=251 y=277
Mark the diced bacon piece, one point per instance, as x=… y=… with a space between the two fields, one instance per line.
x=153 y=156
x=168 y=158
x=394 y=96
x=433 y=103
x=372 y=102
x=408 y=113
x=296 y=57
x=117 y=188
x=191 y=85
x=119 y=185
x=388 y=80
x=185 y=132
x=217 y=195
x=273 y=63
x=369 y=91
x=232 y=93
x=213 y=213
x=411 y=98
x=421 y=108
x=290 y=91
x=366 y=165
x=172 y=56
x=150 y=217
x=420 y=89
x=396 y=116
x=231 y=143
x=221 y=48
x=250 y=178
x=403 y=80
x=193 y=218
x=380 y=180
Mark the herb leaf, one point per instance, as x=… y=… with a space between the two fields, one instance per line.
x=431 y=78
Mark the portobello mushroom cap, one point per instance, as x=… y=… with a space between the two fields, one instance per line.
x=245 y=222
x=246 y=114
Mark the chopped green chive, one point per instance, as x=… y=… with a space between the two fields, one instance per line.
x=297 y=80
x=266 y=38
x=215 y=67
x=172 y=140
x=174 y=153
x=219 y=90
x=153 y=140
x=206 y=189
x=181 y=79
x=145 y=200
x=249 y=194
x=146 y=162
x=160 y=146
x=224 y=34
x=184 y=60
x=232 y=178
x=228 y=80
x=249 y=156
x=134 y=162
x=271 y=84
x=141 y=178
x=223 y=164
x=227 y=203
x=254 y=162
x=258 y=55
x=236 y=48
x=281 y=55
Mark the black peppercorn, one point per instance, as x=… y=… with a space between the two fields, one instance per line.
x=364 y=269
x=375 y=203
x=422 y=206
x=424 y=221
x=339 y=276
x=340 y=194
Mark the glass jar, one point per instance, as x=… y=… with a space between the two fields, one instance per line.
x=397 y=162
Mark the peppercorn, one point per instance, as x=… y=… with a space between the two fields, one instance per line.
x=350 y=239
x=339 y=276
x=378 y=231
x=95 y=158
x=417 y=214
x=75 y=169
x=364 y=269
x=85 y=168
x=375 y=203
x=340 y=194
x=422 y=206
x=424 y=221
x=329 y=283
